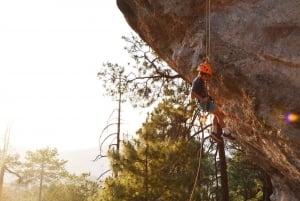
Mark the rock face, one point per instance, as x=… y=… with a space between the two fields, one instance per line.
x=255 y=54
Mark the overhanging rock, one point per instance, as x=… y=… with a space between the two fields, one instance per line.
x=255 y=53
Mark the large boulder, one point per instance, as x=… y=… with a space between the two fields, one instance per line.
x=255 y=53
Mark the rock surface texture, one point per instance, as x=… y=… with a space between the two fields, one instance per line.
x=255 y=54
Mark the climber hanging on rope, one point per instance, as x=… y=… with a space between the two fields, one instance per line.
x=204 y=101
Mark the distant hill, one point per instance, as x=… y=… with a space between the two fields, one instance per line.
x=82 y=161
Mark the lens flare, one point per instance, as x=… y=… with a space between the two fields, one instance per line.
x=292 y=117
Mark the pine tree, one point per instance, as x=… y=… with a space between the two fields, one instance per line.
x=41 y=167
x=244 y=178
x=149 y=79
x=9 y=163
x=73 y=188
x=161 y=163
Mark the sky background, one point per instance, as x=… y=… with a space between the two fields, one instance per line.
x=50 y=54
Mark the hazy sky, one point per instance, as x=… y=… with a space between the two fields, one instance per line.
x=50 y=54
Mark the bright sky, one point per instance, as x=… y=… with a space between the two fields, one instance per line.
x=50 y=54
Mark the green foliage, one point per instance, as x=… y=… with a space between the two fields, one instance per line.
x=145 y=81
x=74 y=188
x=13 y=163
x=161 y=164
x=57 y=183
x=43 y=163
x=114 y=80
x=23 y=193
x=42 y=167
x=244 y=179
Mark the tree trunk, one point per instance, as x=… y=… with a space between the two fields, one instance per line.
x=267 y=186
x=3 y=161
x=1 y=179
x=41 y=182
x=223 y=166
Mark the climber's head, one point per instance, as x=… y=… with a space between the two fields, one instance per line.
x=205 y=69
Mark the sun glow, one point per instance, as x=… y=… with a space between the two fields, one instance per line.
x=50 y=54
x=292 y=117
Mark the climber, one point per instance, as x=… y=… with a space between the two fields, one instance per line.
x=205 y=102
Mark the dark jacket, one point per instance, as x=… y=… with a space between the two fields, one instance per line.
x=199 y=87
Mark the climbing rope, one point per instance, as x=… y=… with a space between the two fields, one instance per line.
x=199 y=166
x=198 y=171
x=207 y=33
x=207 y=28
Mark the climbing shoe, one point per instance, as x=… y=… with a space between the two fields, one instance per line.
x=228 y=136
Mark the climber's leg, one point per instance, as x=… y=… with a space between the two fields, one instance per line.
x=214 y=134
x=220 y=116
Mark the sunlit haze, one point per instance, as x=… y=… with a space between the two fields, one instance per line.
x=50 y=54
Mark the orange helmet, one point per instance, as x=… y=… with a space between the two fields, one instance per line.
x=205 y=68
